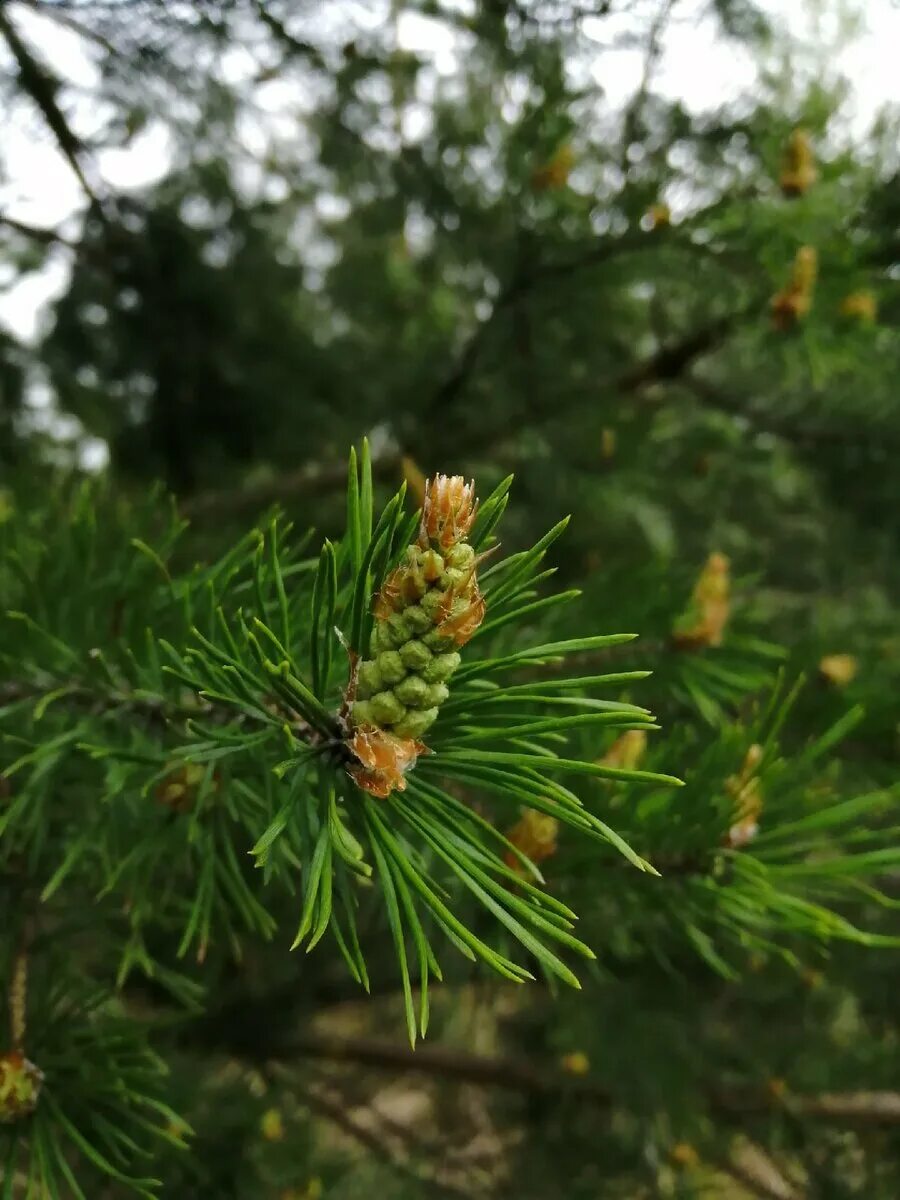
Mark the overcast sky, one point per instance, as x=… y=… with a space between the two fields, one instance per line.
x=695 y=66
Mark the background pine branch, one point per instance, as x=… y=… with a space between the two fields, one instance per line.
x=444 y=239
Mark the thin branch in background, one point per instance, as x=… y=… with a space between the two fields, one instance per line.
x=443 y=1062
x=667 y=363
x=672 y=360
x=750 y=1166
x=309 y=480
x=517 y=1075
x=651 y=60
x=849 y=1108
x=331 y=1105
x=524 y=279
x=293 y=47
x=42 y=87
x=711 y=397
x=47 y=237
x=57 y=13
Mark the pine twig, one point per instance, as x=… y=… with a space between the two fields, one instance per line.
x=750 y=1165
x=331 y=1106
x=308 y=480
x=18 y=992
x=41 y=86
x=47 y=237
x=870 y=1107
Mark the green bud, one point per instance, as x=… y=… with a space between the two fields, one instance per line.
x=381 y=639
x=461 y=557
x=432 y=601
x=386 y=709
x=449 y=577
x=441 y=667
x=436 y=641
x=459 y=605
x=418 y=619
x=436 y=694
x=415 y=724
x=368 y=681
x=432 y=564
x=415 y=655
x=361 y=713
x=390 y=667
x=413 y=692
x=398 y=631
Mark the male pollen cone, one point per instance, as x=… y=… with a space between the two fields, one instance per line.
x=428 y=606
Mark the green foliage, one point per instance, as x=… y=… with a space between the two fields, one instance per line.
x=267 y=749
x=473 y=254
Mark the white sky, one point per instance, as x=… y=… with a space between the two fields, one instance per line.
x=696 y=67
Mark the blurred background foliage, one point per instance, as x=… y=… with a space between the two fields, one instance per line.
x=472 y=253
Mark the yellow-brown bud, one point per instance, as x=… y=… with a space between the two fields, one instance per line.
x=684 y=1155
x=627 y=750
x=575 y=1063
x=860 y=306
x=448 y=511
x=555 y=172
x=180 y=788
x=271 y=1125
x=839 y=669
x=534 y=835
x=805 y=270
x=798 y=171
x=20 y=1087
x=659 y=216
x=793 y=303
x=746 y=792
x=705 y=622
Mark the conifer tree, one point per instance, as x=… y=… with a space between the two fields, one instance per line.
x=379 y=824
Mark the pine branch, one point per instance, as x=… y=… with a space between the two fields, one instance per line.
x=331 y=1105
x=754 y=1169
x=652 y=55
x=443 y=1062
x=667 y=363
x=809 y=434
x=56 y=12
x=308 y=480
x=518 y=1075
x=850 y=1108
x=294 y=47
x=522 y=282
x=47 y=237
x=672 y=361
x=38 y=83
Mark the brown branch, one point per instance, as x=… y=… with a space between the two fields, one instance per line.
x=55 y=13
x=442 y=1062
x=667 y=363
x=750 y=1165
x=42 y=87
x=711 y=397
x=523 y=281
x=308 y=480
x=866 y=1108
x=634 y=110
x=294 y=47
x=517 y=1075
x=672 y=360
x=48 y=237
x=331 y=1105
